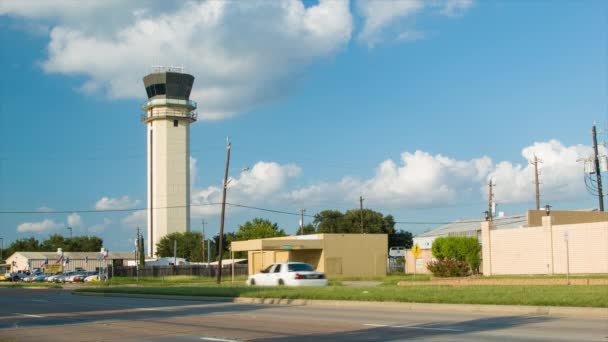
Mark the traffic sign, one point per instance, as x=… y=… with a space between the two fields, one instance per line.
x=416 y=250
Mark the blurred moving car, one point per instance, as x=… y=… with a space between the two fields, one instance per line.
x=290 y=274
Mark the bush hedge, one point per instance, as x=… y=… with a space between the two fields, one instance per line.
x=451 y=252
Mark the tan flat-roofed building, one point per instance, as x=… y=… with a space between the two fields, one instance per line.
x=347 y=255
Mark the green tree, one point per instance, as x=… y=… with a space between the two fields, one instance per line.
x=30 y=244
x=328 y=221
x=258 y=228
x=142 y=253
x=53 y=242
x=331 y=221
x=400 y=239
x=189 y=246
x=308 y=228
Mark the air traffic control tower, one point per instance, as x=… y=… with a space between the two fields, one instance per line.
x=168 y=115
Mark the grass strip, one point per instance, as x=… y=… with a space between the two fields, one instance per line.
x=537 y=295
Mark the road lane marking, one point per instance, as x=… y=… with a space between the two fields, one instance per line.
x=424 y=328
x=411 y=327
x=27 y=315
x=217 y=339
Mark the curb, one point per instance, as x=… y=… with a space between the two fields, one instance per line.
x=563 y=311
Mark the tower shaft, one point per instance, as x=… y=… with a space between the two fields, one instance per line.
x=168 y=115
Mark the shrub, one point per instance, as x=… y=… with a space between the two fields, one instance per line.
x=458 y=248
x=449 y=268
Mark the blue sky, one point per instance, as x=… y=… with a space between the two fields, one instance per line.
x=412 y=104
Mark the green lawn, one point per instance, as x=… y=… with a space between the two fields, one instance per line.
x=543 y=295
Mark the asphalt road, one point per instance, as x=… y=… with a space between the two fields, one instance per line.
x=57 y=315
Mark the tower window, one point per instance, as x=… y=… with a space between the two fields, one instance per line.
x=174 y=123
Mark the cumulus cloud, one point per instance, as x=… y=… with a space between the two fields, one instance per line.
x=44 y=209
x=100 y=227
x=108 y=203
x=263 y=182
x=560 y=173
x=420 y=179
x=455 y=7
x=74 y=220
x=37 y=227
x=380 y=14
x=135 y=219
x=382 y=17
x=245 y=53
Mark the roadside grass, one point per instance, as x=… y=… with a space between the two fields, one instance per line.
x=539 y=295
x=166 y=281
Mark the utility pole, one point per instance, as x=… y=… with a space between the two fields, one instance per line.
x=598 y=175
x=302 y=221
x=203 y=222
x=361 y=211
x=221 y=242
x=490 y=198
x=536 y=183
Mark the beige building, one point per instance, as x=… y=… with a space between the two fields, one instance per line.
x=348 y=255
x=529 y=244
x=56 y=261
x=547 y=249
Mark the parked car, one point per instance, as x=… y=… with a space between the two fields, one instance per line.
x=289 y=274
x=40 y=277
x=73 y=277
x=52 y=277
x=92 y=278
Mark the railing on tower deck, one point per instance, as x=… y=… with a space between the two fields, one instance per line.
x=171 y=102
x=161 y=114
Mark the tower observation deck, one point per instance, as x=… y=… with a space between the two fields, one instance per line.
x=168 y=114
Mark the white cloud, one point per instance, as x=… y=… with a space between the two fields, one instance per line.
x=100 y=227
x=37 y=227
x=44 y=209
x=380 y=14
x=420 y=179
x=263 y=182
x=124 y=202
x=382 y=17
x=244 y=53
x=411 y=35
x=136 y=219
x=561 y=175
x=455 y=7
x=74 y=220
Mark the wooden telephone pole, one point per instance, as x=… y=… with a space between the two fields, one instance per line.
x=536 y=182
x=361 y=212
x=490 y=198
x=221 y=237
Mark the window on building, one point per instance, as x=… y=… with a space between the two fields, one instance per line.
x=174 y=123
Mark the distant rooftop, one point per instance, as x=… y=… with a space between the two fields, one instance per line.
x=462 y=226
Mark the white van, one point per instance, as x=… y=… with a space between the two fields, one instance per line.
x=396 y=251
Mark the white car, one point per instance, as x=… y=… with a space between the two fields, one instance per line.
x=290 y=274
